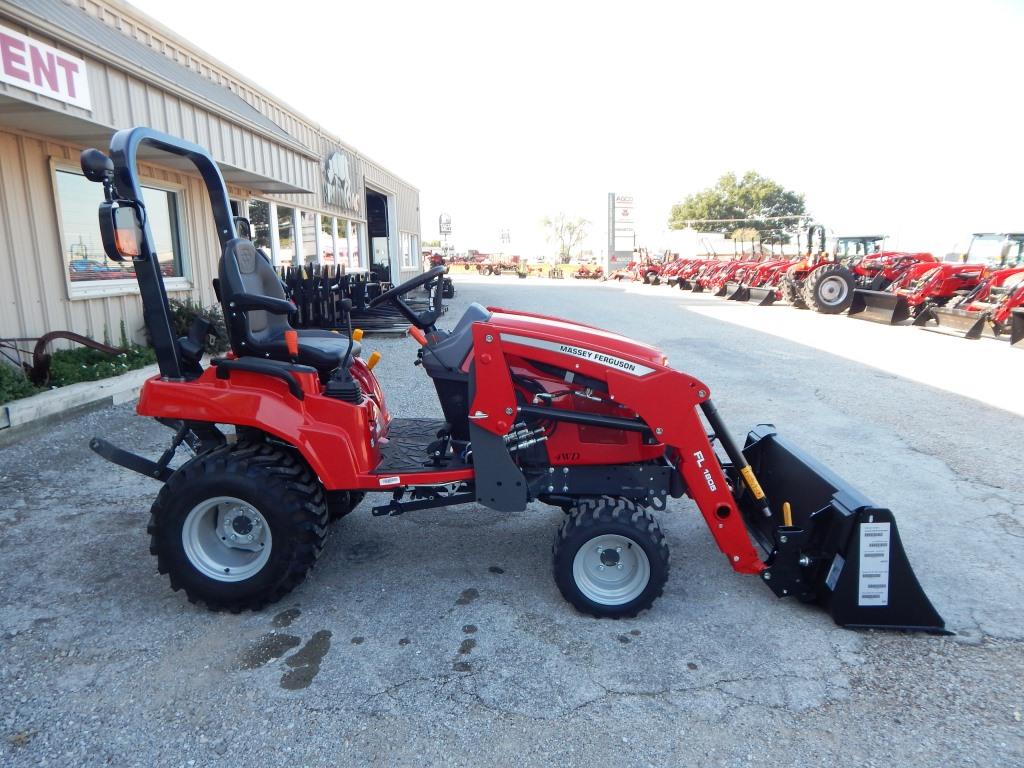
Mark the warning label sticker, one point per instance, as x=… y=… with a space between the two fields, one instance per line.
x=873 y=588
x=389 y=481
x=833 y=573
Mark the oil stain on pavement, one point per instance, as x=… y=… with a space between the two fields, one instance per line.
x=305 y=663
x=467 y=596
x=286 y=617
x=266 y=649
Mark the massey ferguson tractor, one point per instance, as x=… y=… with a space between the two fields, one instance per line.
x=929 y=284
x=290 y=429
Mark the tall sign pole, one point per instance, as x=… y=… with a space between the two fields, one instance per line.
x=621 y=231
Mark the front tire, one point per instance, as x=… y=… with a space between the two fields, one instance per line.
x=790 y=291
x=239 y=527
x=610 y=558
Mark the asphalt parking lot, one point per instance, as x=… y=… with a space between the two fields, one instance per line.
x=440 y=638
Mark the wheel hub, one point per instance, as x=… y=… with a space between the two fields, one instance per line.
x=611 y=569
x=226 y=539
x=832 y=290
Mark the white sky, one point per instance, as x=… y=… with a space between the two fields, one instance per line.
x=903 y=118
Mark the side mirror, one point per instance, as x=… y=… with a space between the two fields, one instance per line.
x=243 y=228
x=96 y=166
x=120 y=231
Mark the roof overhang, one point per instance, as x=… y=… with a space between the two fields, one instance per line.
x=74 y=126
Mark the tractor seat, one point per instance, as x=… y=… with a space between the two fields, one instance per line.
x=256 y=313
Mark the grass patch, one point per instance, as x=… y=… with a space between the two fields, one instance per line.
x=14 y=384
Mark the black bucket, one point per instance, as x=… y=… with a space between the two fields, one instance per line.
x=841 y=552
x=955 y=322
x=1016 y=326
x=720 y=292
x=879 y=306
x=737 y=292
x=763 y=297
x=696 y=287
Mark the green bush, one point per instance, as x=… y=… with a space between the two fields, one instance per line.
x=70 y=366
x=184 y=312
x=14 y=384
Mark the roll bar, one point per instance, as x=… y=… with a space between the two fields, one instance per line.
x=122 y=189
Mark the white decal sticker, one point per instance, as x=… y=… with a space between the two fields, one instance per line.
x=833 y=573
x=618 y=363
x=874 y=564
x=390 y=480
x=699 y=456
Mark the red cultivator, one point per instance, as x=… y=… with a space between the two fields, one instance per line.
x=536 y=409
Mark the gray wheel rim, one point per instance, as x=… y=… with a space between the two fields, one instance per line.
x=226 y=539
x=611 y=569
x=833 y=290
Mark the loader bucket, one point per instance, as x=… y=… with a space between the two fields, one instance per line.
x=763 y=297
x=697 y=288
x=1016 y=325
x=841 y=551
x=956 y=322
x=737 y=292
x=684 y=284
x=879 y=306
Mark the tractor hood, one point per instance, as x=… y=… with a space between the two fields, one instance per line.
x=586 y=337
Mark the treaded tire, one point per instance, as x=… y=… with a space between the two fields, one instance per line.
x=338 y=508
x=610 y=515
x=279 y=486
x=813 y=290
x=791 y=292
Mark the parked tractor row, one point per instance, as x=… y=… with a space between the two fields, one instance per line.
x=981 y=294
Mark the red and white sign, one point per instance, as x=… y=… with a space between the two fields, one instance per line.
x=42 y=69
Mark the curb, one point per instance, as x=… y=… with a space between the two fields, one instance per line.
x=115 y=390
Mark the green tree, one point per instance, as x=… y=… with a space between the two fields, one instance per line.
x=566 y=232
x=751 y=202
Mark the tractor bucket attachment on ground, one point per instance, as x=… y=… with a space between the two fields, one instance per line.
x=763 y=297
x=684 y=284
x=720 y=291
x=1016 y=326
x=697 y=288
x=879 y=306
x=737 y=292
x=955 y=322
x=837 y=549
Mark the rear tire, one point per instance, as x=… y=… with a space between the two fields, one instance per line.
x=268 y=497
x=610 y=558
x=790 y=291
x=829 y=289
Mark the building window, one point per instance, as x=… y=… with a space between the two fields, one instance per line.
x=307 y=221
x=416 y=261
x=353 y=244
x=327 y=254
x=79 y=199
x=285 y=236
x=259 y=219
x=407 y=254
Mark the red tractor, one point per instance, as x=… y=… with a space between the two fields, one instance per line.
x=988 y=307
x=589 y=272
x=933 y=284
x=291 y=429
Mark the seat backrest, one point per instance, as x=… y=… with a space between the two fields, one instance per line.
x=243 y=269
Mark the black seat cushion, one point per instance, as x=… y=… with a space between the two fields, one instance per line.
x=260 y=333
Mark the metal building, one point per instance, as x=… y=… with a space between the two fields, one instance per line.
x=74 y=71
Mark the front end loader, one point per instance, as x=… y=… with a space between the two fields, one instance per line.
x=290 y=430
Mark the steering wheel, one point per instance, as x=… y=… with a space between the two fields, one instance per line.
x=422 y=320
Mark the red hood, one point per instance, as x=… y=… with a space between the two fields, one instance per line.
x=566 y=331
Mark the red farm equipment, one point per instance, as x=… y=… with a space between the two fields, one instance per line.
x=535 y=409
x=989 y=306
x=589 y=272
x=929 y=284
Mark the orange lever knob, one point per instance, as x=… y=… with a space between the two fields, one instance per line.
x=291 y=340
x=419 y=335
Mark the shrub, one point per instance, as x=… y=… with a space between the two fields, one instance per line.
x=14 y=384
x=184 y=312
x=70 y=366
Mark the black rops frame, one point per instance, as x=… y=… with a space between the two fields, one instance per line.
x=124 y=148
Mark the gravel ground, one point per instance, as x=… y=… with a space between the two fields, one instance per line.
x=439 y=638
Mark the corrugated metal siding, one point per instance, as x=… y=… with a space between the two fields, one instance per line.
x=33 y=289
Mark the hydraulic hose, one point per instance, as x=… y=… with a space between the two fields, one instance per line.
x=736 y=456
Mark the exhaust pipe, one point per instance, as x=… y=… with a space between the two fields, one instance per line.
x=879 y=306
x=829 y=544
